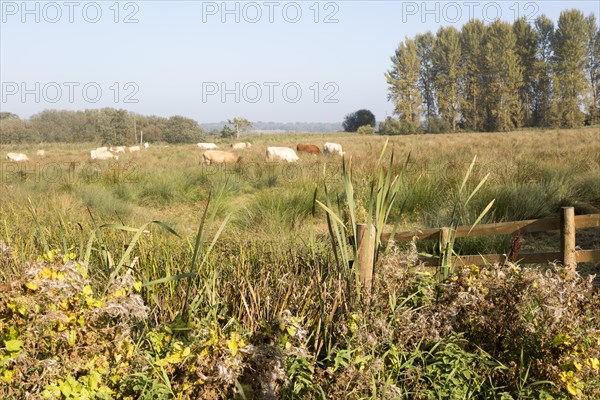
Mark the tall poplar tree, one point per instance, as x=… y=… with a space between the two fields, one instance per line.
x=543 y=108
x=424 y=52
x=503 y=77
x=569 y=46
x=593 y=69
x=446 y=65
x=471 y=40
x=526 y=40
x=403 y=82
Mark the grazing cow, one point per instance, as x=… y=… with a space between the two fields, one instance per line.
x=241 y=146
x=117 y=149
x=308 y=148
x=40 y=153
x=219 y=157
x=16 y=157
x=102 y=148
x=207 y=146
x=132 y=149
x=103 y=155
x=281 y=154
x=146 y=145
x=333 y=148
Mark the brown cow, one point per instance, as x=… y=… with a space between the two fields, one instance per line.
x=308 y=148
x=219 y=157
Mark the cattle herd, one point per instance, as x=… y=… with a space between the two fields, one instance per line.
x=211 y=156
x=273 y=154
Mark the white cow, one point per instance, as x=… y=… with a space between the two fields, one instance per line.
x=281 y=154
x=207 y=146
x=333 y=148
x=241 y=146
x=102 y=155
x=146 y=145
x=17 y=157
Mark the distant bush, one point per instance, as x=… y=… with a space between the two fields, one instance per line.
x=437 y=125
x=227 y=132
x=365 y=130
x=393 y=126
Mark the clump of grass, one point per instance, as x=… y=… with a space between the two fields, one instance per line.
x=276 y=212
x=103 y=201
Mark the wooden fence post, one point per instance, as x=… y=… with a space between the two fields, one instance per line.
x=444 y=238
x=366 y=254
x=567 y=237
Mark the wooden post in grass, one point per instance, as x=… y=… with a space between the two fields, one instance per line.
x=366 y=254
x=567 y=237
x=444 y=239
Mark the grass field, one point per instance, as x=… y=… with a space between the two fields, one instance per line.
x=271 y=312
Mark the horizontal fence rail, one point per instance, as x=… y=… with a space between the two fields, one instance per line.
x=567 y=223
x=523 y=258
x=501 y=228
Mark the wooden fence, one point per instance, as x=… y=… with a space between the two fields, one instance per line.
x=567 y=223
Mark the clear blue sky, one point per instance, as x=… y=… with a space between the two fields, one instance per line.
x=281 y=59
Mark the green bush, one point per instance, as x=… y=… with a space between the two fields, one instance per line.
x=438 y=125
x=365 y=130
x=393 y=126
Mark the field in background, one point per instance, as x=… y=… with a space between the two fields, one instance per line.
x=272 y=286
x=532 y=174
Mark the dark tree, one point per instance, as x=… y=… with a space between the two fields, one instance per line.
x=357 y=119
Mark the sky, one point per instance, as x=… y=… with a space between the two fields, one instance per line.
x=282 y=61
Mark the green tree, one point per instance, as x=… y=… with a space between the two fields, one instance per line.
x=526 y=49
x=152 y=126
x=503 y=77
x=593 y=69
x=446 y=60
x=122 y=126
x=182 y=130
x=53 y=125
x=239 y=125
x=14 y=130
x=359 y=118
x=472 y=67
x=403 y=83
x=113 y=126
x=542 y=87
x=569 y=46
x=425 y=44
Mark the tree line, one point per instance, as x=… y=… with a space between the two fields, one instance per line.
x=108 y=126
x=111 y=126
x=497 y=77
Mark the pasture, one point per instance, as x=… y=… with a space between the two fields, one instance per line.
x=268 y=311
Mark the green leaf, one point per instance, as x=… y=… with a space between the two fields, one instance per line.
x=66 y=389
x=13 y=346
